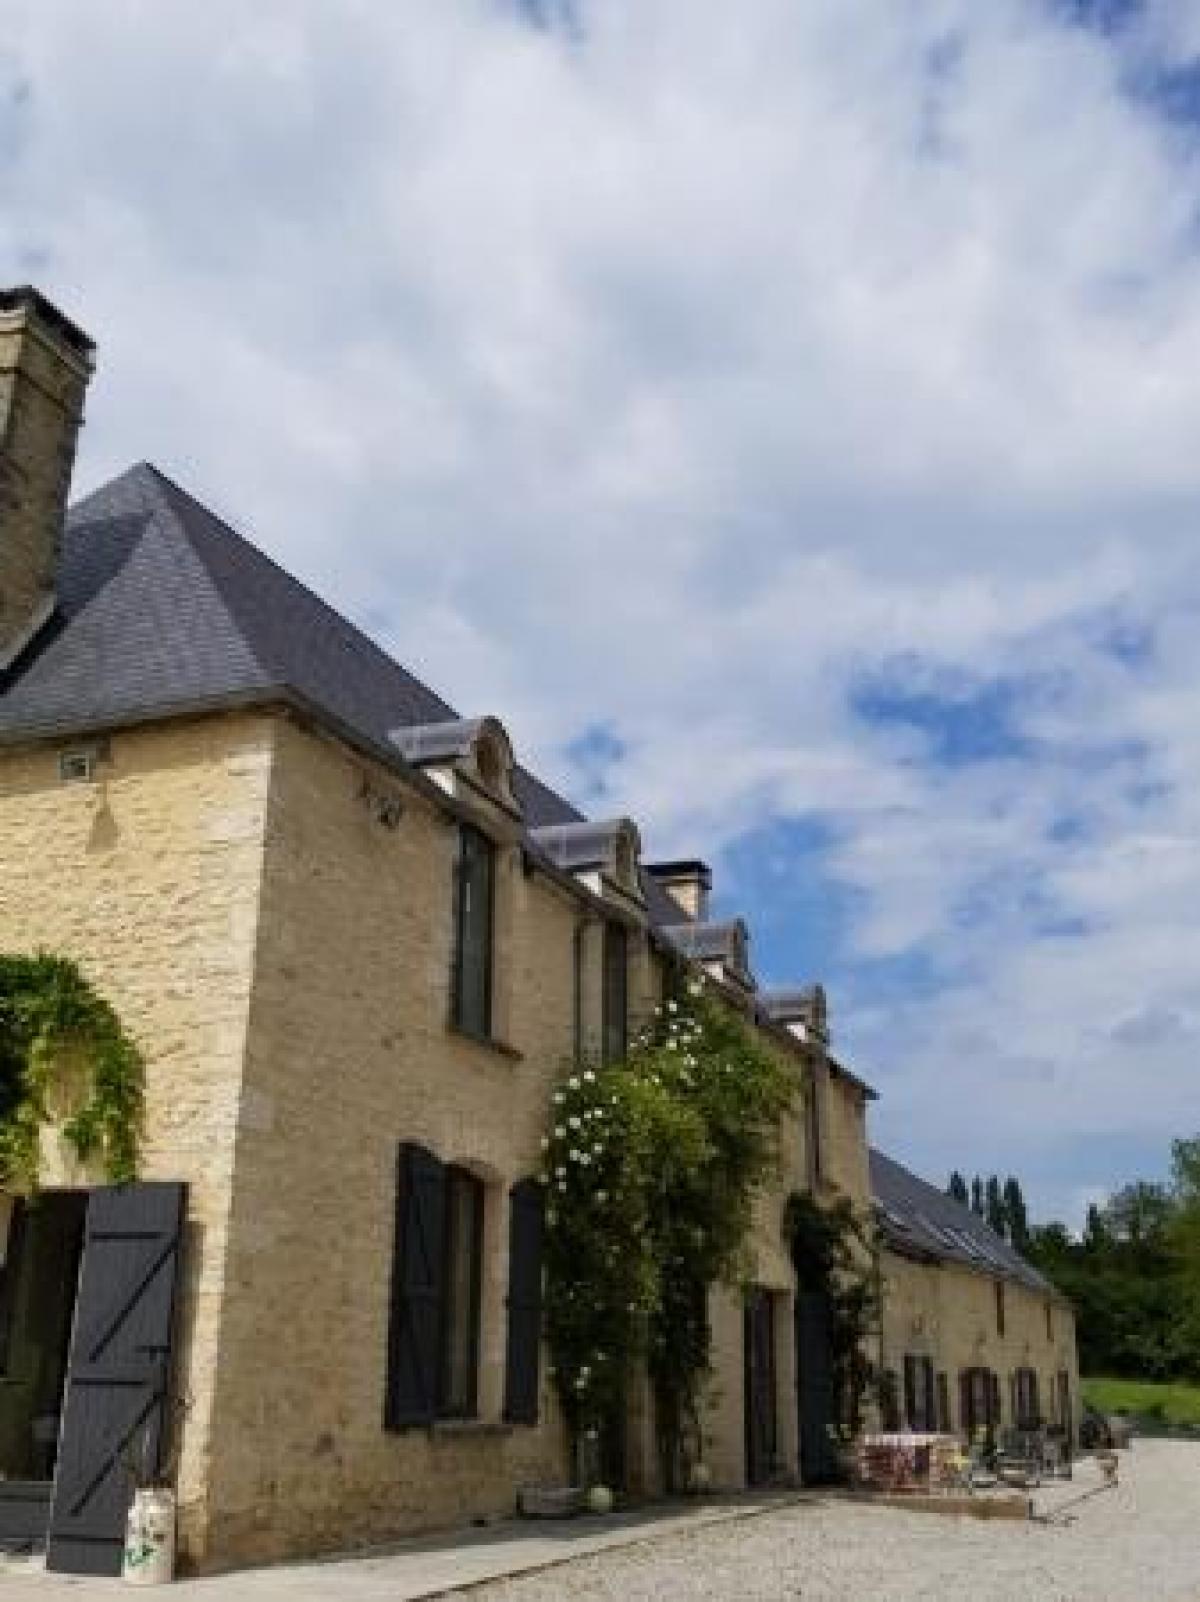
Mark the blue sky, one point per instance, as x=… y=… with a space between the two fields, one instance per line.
x=784 y=417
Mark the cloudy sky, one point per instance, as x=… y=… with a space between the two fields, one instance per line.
x=785 y=415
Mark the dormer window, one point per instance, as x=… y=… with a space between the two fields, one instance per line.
x=722 y=949
x=471 y=755
x=602 y=855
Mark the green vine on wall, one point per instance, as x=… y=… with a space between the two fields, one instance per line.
x=833 y=1250
x=53 y=1022
x=651 y=1168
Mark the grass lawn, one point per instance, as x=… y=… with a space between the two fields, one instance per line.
x=1179 y=1402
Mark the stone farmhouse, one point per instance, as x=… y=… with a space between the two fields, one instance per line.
x=972 y=1337
x=358 y=944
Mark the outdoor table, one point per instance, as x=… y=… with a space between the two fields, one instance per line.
x=902 y=1459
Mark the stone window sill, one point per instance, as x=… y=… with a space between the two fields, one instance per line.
x=499 y=1048
x=452 y=1429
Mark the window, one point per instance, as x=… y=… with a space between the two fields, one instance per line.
x=889 y=1400
x=433 y=1339
x=472 y=992
x=979 y=1400
x=812 y=1132
x=616 y=993
x=577 y=950
x=1049 y=1321
x=460 y=1316
x=1026 y=1411
x=944 y=1421
x=999 y=1307
x=919 y=1400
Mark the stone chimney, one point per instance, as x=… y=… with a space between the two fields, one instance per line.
x=688 y=883
x=45 y=365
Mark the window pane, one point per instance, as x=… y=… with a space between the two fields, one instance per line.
x=473 y=964
x=464 y=1217
x=616 y=993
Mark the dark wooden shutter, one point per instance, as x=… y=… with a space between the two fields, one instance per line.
x=994 y=1394
x=526 y=1230
x=414 y=1337
x=966 y=1412
x=910 y=1393
x=118 y=1373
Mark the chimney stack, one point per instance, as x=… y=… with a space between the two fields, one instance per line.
x=45 y=365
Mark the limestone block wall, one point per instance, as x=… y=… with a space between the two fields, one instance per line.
x=844 y=1133
x=149 y=878
x=948 y=1312
x=350 y=1053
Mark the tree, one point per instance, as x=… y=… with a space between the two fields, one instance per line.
x=1016 y=1215
x=957 y=1187
x=977 y=1195
x=994 y=1212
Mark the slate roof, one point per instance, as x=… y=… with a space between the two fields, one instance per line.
x=917 y=1219
x=165 y=609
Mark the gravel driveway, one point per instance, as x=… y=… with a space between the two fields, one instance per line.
x=1140 y=1543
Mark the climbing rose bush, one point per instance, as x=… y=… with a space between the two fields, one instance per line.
x=650 y=1169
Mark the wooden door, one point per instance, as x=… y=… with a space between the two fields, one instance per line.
x=818 y=1463
x=761 y=1443
x=118 y=1372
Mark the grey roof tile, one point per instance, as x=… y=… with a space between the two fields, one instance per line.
x=915 y=1216
x=163 y=606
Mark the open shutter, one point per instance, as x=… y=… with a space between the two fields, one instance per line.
x=118 y=1372
x=414 y=1337
x=994 y=1410
x=526 y=1229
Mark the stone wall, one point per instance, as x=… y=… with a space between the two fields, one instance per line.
x=149 y=878
x=350 y=1054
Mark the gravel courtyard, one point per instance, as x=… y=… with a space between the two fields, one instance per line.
x=1140 y=1543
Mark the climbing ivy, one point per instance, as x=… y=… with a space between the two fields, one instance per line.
x=833 y=1251
x=52 y=1020
x=651 y=1170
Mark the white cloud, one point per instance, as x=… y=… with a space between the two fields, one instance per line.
x=671 y=376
